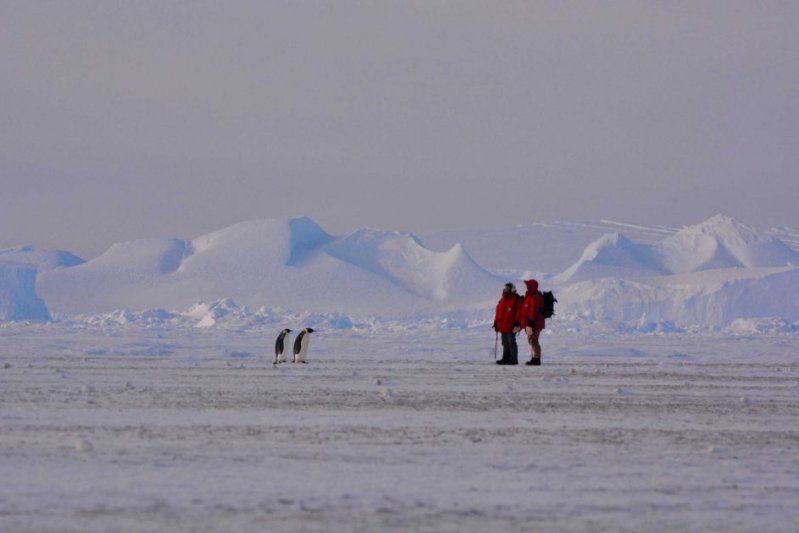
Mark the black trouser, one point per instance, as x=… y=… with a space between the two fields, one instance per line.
x=510 y=350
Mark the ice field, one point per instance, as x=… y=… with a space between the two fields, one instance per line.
x=137 y=390
x=395 y=429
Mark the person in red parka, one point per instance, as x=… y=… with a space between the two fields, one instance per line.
x=506 y=322
x=531 y=317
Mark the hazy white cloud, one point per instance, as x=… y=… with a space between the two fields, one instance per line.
x=123 y=120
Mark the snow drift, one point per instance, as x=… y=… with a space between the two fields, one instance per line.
x=404 y=260
x=18 y=300
x=43 y=260
x=707 y=274
x=710 y=298
x=717 y=243
x=720 y=242
x=293 y=264
x=613 y=255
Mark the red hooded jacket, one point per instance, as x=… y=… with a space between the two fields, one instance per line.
x=507 y=314
x=530 y=310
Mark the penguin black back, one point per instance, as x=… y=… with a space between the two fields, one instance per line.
x=298 y=341
x=279 y=343
x=280 y=346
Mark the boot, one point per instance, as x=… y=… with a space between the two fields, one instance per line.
x=535 y=361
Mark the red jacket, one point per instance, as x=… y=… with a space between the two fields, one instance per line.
x=530 y=310
x=507 y=314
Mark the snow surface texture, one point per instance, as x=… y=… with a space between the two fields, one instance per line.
x=114 y=427
x=707 y=275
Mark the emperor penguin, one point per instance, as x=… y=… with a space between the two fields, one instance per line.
x=280 y=346
x=301 y=346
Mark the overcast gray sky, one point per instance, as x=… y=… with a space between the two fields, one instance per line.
x=123 y=120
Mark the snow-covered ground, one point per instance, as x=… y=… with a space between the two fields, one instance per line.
x=113 y=426
x=667 y=400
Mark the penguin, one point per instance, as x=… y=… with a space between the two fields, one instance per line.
x=280 y=345
x=301 y=346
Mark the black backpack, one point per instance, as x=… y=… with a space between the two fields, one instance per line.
x=549 y=304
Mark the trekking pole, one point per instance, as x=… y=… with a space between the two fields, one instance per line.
x=496 y=336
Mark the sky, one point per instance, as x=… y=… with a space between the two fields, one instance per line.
x=149 y=119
